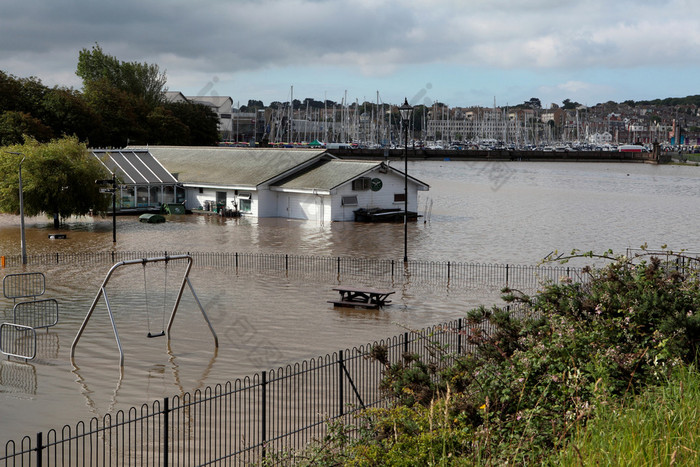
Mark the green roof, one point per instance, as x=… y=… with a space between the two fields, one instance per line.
x=231 y=166
x=327 y=175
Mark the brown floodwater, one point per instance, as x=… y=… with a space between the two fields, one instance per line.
x=513 y=213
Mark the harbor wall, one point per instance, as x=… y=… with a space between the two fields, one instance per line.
x=499 y=155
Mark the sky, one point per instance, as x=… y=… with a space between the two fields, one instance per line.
x=458 y=52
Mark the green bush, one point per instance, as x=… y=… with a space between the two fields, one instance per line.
x=536 y=379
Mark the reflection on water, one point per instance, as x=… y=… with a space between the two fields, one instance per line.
x=266 y=319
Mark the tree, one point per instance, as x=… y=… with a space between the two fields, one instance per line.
x=140 y=79
x=122 y=116
x=58 y=179
x=166 y=128
x=67 y=113
x=534 y=103
x=567 y=104
x=15 y=126
x=201 y=121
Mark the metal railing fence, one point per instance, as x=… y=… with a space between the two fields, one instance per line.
x=240 y=422
x=458 y=273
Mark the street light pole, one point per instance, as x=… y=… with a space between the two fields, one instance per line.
x=114 y=208
x=405 y=110
x=23 y=241
x=113 y=191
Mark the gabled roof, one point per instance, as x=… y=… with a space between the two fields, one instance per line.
x=134 y=166
x=327 y=175
x=239 y=167
x=216 y=101
x=175 y=96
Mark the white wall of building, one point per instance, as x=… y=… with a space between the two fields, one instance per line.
x=392 y=184
x=306 y=206
x=197 y=198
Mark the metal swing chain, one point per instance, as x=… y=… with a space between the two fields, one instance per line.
x=165 y=288
x=145 y=296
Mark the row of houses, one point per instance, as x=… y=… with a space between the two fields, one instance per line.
x=289 y=183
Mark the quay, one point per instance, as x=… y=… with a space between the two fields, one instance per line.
x=656 y=156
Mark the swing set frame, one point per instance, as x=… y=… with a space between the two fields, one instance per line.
x=103 y=293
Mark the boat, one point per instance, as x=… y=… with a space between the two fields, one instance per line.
x=631 y=148
x=383 y=215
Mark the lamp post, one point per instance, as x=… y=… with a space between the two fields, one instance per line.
x=113 y=191
x=23 y=241
x=406 y=111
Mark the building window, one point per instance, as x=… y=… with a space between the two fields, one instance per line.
x=399 y=197
x=362 y=184
x=349 y=200
x=244 y=205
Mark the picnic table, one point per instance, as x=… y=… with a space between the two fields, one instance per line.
x=361 y=297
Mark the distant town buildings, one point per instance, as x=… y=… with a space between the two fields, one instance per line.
x=378 y=124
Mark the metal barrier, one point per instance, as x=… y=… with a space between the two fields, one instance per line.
x=241 y=422
x=36 y=314
x=18 y=341
x=523 y=277
x=24 y=285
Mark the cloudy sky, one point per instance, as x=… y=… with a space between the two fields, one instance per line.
x=459 y=52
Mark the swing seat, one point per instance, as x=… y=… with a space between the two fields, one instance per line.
x=160 y=334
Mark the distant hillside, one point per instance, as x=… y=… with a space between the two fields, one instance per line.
x=673 y=101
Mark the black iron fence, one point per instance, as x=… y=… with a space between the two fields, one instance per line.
x=458 y=273
x=240 y=422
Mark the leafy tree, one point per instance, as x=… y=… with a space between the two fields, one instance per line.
x=166 y=128
x=14 y=126
x=567 y=104
x=58 y=179
x=123 y=116
x=201 y=121
x=68 y=113
x=252 y=106
x=10 y=92
x=534 y=103
x=140 y=79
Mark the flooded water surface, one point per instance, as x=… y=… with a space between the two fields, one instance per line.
x=513 y=213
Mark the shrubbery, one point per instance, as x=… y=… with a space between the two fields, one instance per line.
x=538 y=378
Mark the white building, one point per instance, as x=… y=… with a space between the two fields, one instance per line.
x=600 y=138
x=291 y=183
x=222 y=106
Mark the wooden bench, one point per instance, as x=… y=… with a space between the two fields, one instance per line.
x=350 y=303
x=361 y=297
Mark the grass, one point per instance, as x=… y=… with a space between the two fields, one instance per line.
x=658 y=427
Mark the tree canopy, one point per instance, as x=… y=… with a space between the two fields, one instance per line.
x=58 y=178
x=142 y=80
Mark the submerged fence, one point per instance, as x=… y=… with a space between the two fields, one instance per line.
x=282 y=410
x=241 y=422
x=468 y=274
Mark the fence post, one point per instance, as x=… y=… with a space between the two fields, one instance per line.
x=236 y=260
x=506 y=275
x=405 y=342
x=459 y=336
x=392 y=268
x=338 y=266
x=39 y=450
x=166 y=434
x=286 y=262
x=341 y=396
x=448 y=271
x=263 y=435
